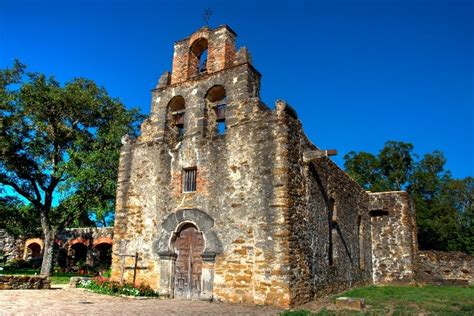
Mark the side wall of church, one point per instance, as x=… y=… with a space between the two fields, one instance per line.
x=329 y=250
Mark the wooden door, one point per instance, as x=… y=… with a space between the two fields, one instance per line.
x=189 y=245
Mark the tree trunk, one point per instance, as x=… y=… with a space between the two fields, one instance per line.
x=49 y=234
x=47 y=264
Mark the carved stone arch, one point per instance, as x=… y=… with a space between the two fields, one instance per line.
x=203 y=222
x=165 y=249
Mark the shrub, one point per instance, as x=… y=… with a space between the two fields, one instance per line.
x=105 y=286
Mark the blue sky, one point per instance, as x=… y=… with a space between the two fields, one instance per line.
x=358 y=73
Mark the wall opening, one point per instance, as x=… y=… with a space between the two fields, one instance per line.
x=378 y=213
x=176 y=117
x=33 y=251
x=198 y=57
x=216 y=100
x=78 y=253
x=104 y=255
x=189 y=179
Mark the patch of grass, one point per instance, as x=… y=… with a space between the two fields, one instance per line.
x=412 y=299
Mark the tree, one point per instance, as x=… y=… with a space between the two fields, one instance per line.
x=444 y=206
x=60 y=147
x=17 y=218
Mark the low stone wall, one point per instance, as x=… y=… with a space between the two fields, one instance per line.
x=22 y=282
x=438 y=266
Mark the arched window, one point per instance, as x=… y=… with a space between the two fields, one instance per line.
x=198 y=57
x=175 y=116
x=217 y=104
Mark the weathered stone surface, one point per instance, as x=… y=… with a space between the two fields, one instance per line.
x=21 y=282
x=12 y=247
x=281 y=222
x=445 y=267
x=350 y=303
x=394 y=245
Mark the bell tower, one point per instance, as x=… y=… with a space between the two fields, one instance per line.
x=210 y=80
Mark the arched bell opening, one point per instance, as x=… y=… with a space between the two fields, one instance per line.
x=216 y=109
x=175 y=118
x=198 y=57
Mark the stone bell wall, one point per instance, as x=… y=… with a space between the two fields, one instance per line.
x=394 y=244
x=235 y=189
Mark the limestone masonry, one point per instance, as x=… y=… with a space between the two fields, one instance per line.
x=223 y=198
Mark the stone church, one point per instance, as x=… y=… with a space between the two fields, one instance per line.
x=223 y=198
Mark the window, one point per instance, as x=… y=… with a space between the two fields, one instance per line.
x=189 y=179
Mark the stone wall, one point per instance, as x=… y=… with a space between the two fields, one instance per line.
x=235 y=187
x=435 y=266
x=328 y=222
x=394 y=244
x=20 y=282
x=12 y=247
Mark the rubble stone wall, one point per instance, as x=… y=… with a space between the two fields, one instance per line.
x=20 y=282
x=320 y=231
x=433 y=266
x=12 y=247
x=394 y=244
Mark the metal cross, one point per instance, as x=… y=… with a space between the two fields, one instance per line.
x=206 y=16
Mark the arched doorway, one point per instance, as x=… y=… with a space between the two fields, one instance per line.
x=189 y=245
x=104 y=255
x=78 y=253
x=34 y=251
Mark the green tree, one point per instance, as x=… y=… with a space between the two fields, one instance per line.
x=60 y=147
x=444 y=206
x=18 y=218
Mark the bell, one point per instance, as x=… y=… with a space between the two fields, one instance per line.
x=179 y=119
x=220 y=113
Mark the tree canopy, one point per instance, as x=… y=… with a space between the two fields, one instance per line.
x=444 y=206
x=60 y=147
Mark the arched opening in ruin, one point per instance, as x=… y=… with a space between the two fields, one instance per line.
x=198 y=57
x=216 y=100
x=188 y=244
x=104 y=255
x=176 y=117
x=33 y=251
x=78 y=252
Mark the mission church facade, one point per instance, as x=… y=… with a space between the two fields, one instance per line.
x=222 y=198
